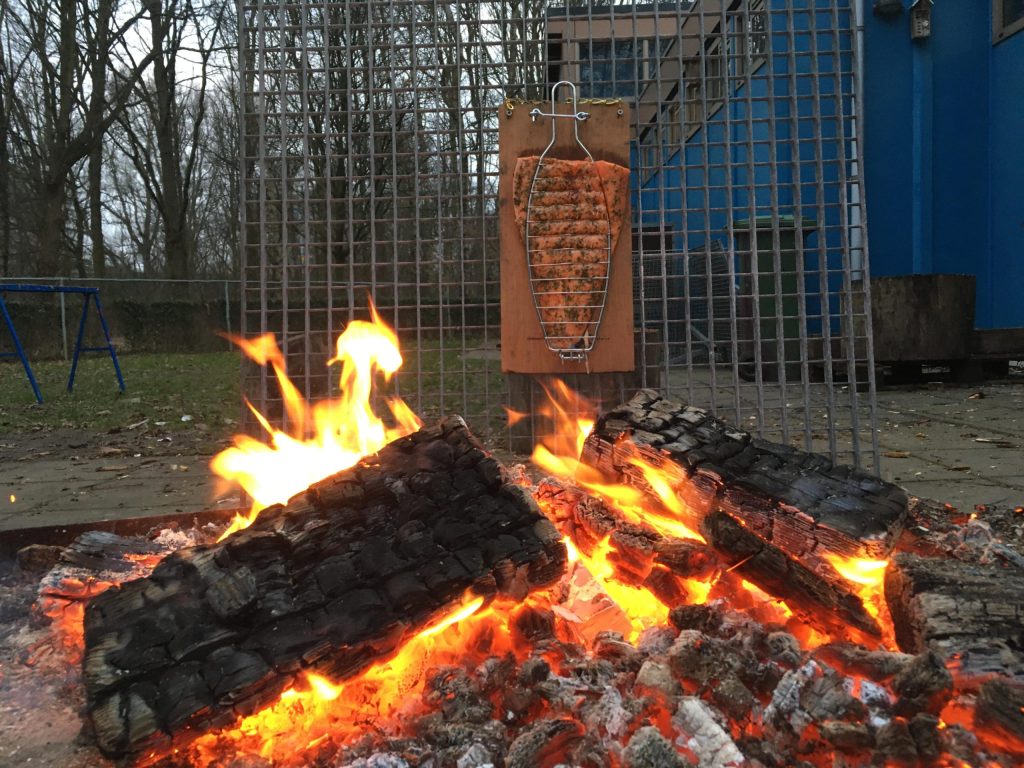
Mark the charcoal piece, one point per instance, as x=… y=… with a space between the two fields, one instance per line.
x=784 y=648
x=649 y=749
x=733 y=697
x=923 y=685
x=38 y=557
x=338 y=577
x=704 y=617
x=970 y=614
x=794 y=508
x=611 y=646
x=847 y=737
x=546 y=742
x=924 y=729
x=895 y=744
x=856 y=659
x=1000 y=711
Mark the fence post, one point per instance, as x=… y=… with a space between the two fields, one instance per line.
x=227 y=310
x=63 y=322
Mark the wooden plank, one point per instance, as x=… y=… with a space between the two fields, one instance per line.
x=523 y=350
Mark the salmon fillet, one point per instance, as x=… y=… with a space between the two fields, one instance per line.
x=575 y=217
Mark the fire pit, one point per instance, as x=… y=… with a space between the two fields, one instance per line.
x=674 y=592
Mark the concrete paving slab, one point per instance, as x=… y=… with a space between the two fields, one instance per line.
x=51 y=491
x=70 y=476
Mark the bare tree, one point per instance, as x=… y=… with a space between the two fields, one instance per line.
x=67 y=49
x=6 y=90
x=170 y=118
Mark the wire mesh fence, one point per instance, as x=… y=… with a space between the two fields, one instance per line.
x=370 y=168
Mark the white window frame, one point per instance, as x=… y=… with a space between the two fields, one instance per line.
x=715 y=75
x=1001 y=30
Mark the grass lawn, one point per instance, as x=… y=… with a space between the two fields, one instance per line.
x=206 y=386
x=158 y=387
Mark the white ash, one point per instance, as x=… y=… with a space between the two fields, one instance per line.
x=379 y=760
x=656 y=676
x=656 y=640
x=476 y=756
x=607 y=715
x=704 y=735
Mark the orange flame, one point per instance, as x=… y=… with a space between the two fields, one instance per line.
x=867 y=578
x=641 y=607
x=573 y=416
x=867 y=575
x=514 y=416
x=326 y=437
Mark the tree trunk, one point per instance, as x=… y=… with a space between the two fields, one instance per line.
x=97 y=101
x=52 y=253
x=99 y=255
x=177 y=239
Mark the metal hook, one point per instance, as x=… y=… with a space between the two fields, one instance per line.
x=577 y=116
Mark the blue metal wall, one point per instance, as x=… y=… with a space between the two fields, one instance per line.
x=698 y=191
x=944 y=155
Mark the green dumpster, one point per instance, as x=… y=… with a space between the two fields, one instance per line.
x=774 y=299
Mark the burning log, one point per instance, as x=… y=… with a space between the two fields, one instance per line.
x=785 y=514
x=340 y=576
x=639 y=555
x=969 y=613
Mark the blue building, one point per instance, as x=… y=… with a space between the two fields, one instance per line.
x=744 y=154
x=944 y=147
x=748 y=121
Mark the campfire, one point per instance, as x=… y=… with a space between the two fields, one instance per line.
x=660 y=589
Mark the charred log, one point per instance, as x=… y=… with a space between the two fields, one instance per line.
x=340 y=576
x=639 y=553
x=779 y=511
x=1000 y=709
x=970 y=614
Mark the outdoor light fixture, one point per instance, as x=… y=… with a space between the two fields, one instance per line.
x=888 y=7
x=921 y=20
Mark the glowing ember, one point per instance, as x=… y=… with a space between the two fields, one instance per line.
x=327 y=437
x=306 y=716
x=573 y=417
x=643 y=609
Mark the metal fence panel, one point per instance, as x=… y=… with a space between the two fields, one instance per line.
x=369 y=167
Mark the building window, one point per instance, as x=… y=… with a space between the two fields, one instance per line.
x=705 y=83
x=749 y=32
x=620 y=68
x=714 y=74
x=1007 y=18
x=694 y=95
x=757 y=28
x=674 y=129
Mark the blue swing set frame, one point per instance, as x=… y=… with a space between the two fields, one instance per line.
x=90 y=296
